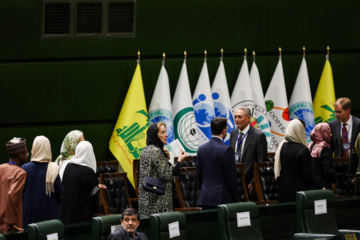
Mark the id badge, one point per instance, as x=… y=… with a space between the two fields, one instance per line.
x=236 y=157
x=346 y=146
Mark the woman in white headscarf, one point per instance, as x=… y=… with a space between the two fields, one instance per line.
x=293 y=164
x=81 y=192
x=43 y=190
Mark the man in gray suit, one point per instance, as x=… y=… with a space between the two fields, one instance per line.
x=249 y=145
x=344 y=129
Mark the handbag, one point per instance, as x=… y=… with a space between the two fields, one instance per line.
x=154 y=185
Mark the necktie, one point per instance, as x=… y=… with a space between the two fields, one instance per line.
x=239 y=146
x=344 y=140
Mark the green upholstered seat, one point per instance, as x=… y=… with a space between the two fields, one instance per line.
x=308 y=223
x=160 y=225
x=101 y=226
x=40 y=230
x=227 y=217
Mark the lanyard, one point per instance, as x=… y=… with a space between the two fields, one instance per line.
x=12 y=163
x=241 y=140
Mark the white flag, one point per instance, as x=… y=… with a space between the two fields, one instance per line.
x=242 y=94
x=301 y=106
x=203 y=106
x=277 y=107
x=259 y=101
x=160 y=106
x=221 y=98
x=183 y=112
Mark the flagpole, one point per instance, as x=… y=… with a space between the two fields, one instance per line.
x=163 y=61
x=185 y=54
x=221 y=54
x=254 y=55
x=280 y=52
x=138 y=60
x=328 y=52
x=303 y=51
x=245 y=55
x=205 y=53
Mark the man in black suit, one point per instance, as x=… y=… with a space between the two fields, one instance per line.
x=130 y=221
x=216 y=170
x=249 y=144
x=344 y=129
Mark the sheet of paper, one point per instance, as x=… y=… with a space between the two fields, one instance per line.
x=174 y=229
x=175 y=147
x=53 y=236
x=243 y=219
x=320 y=207
x=115 y=228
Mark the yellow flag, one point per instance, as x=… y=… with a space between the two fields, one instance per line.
x=325 y=96
x=129 y=135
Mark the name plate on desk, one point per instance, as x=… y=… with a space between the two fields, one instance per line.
x=243 y=219
x=174 y=229
x=53 y=236
x=320 y=207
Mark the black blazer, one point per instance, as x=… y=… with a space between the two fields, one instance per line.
x=295 y=174
x=216 y=174
x=255 y=150
x=121 y=234
x=335 y=127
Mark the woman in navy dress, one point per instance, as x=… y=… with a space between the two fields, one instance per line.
x=43 y=190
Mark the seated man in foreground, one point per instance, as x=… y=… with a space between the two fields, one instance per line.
x=130 y=221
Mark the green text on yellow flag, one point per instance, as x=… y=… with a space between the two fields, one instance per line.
x=129 y=135
x=325 y=96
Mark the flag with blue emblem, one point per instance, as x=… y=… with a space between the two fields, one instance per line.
x=160 y=106
x=259 y=102
x=300 y=104
x=203 y=105
x=221 y=99
x=183 y=112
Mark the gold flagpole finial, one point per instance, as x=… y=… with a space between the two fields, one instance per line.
x=303 y=51
x=254 y=54
x=328 y=52
x=280 y=50
x=185 y=54
x=221 y=54
x=163 y=61
x=245 y=51
x=138 y=53
x=205 y=55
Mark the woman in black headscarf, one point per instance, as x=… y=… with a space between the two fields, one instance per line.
x=154 y=163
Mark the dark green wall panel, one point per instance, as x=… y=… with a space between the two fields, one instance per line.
x=52 y=86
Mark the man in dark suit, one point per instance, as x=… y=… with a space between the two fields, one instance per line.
x=216 y=170
x=344 y=129
x=249 y=145
x=130 y=221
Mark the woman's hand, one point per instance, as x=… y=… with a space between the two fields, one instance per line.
x=182 y=155
x=102 y=186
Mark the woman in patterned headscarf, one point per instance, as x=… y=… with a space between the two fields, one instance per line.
x=292 y=166
x=322 y=167
x=68 y=146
